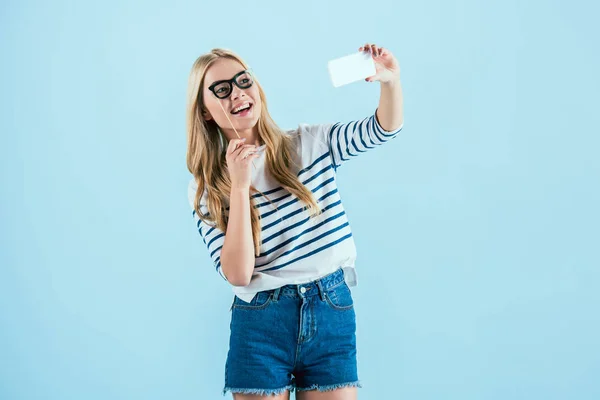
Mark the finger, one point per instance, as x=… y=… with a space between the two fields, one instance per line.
x=244 y=153
x=240 y=149
x=234 y=155
x=256 y=151
x=250 y=157
x=373 y=50
x=233 y=145
x=366 y=48
x=373 y=78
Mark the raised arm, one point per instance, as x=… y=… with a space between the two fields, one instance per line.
x=390 y=113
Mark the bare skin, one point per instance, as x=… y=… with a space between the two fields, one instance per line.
x=347 y=393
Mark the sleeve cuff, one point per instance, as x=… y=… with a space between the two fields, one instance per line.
x=383 y=131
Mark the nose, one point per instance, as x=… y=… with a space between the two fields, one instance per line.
x=236 y=93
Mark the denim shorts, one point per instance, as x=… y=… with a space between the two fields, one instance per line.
x=296 y=337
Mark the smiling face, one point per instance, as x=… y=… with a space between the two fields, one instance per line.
x=242 y=105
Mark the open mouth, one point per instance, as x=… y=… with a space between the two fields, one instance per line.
x=243 y=110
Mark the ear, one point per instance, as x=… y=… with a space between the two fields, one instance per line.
x=206 y=115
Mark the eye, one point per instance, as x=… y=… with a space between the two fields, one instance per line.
x=245 y=80
x=220 y=90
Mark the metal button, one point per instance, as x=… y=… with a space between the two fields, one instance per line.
x=302 y=289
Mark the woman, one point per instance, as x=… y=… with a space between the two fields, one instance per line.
x=267 y=207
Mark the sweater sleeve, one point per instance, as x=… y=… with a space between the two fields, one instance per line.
x=348 y=140
x=212 y=236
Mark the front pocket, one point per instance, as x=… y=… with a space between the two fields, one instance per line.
x=339 y=297
x=261 y=300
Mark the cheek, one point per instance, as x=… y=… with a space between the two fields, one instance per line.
x=255 y=93
x=220 y=117
x=215 y=110
x=257 y=101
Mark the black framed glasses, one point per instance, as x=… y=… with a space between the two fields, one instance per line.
x=222 y=89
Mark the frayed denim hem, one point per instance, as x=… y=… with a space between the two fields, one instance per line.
x=324 y=388
x=261 y=392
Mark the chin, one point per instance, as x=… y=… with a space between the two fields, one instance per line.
x=246 y=125
x=251 y=124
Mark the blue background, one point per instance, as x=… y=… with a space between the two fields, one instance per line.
x=477 y=229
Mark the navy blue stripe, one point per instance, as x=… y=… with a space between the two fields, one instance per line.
x=304 y=232
x=331 y=144
x=321 y=236
x=298 y=211
x=295 y=201
x=268 y=192
x=318 y=160
x=328 y=194
x=375 y=133
x=338 y=135
x=327 y=168
x=303 y=207
x=203 y=239
x=321 y=172
x=215 y=250
x=269 y=213
x=383 y=132
x=303 y=182
x=297 y=224
x=220 y=235
x=347 y=142
x=274 y=201
x=324 y=183
x=290 y=215
x=362 y=139
x=328 y=245
x=353 y=138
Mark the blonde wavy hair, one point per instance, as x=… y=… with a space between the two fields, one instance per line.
x=207 y=146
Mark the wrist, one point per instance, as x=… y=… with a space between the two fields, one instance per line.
x=392 y=83
x=242 y=189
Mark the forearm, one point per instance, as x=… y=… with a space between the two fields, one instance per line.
x=390 y=114
x=237 y=254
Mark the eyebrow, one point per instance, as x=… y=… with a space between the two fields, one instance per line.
x=225 y=80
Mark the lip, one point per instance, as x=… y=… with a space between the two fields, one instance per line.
x=240 y=104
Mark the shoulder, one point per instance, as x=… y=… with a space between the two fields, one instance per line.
x=314 y=136
x=315 y=129
x=304 y=128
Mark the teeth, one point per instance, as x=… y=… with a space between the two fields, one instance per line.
x=245 y=105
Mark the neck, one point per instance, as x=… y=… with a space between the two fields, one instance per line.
x=251 y=135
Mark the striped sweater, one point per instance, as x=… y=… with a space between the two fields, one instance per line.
x=297 y=249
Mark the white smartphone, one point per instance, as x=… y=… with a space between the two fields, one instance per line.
x=351 y=68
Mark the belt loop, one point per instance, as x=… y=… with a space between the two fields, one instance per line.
x=321 y=291
x=275 y=294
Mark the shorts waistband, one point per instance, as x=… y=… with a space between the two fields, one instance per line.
x=313 y=288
